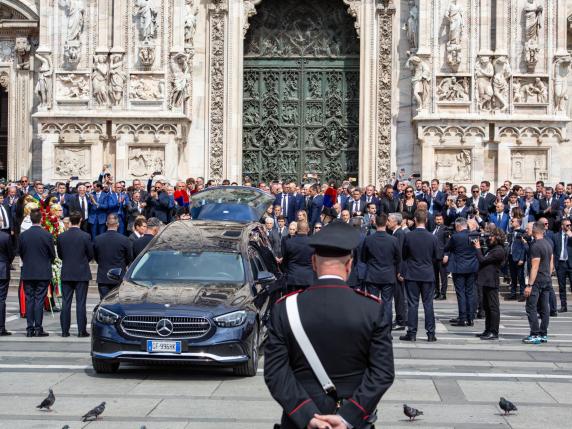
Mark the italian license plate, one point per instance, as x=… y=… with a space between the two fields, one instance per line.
x=163 y=346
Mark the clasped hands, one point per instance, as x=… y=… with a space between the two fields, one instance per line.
x=329 y=421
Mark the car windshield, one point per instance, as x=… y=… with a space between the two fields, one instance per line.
x=173 y=266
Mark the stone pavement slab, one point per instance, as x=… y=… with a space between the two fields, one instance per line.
x=520 y=391
x=562 y=392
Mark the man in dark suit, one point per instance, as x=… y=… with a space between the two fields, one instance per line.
x=135 y=208
x=97 y=211
x=563 y=261
x=159 y=202
x=382 y=255
x=81 y=203
x=76 y=251
x=112 y=250
x=516 y=259
x=315 y=204
x=153 y=227
x=62 y=197
x=6 y=220
x=139 y=228
x=37 y=253
x=488 y=197
x=440 y=232
x=394 y=221
x=287 y=203
x=273 y=237
x=297 y=259
x=461 y=259
x=500 y=218
x=420 y=251
x=357 y=351
x=435 y=198
x=355 y=205
x=369 y=197
x=388 y=204
x=6 y=257
x=549 y=208
x=117 y=203
x=456 y=209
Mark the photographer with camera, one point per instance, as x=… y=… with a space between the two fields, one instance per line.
x=488 y=280
x=457 y=208
x=461 y=259
x=516 y=258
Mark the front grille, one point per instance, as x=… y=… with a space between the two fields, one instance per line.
x=183 y=327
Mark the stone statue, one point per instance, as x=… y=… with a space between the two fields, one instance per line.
x=190 y=22
x=147 y=55
x=99 y=78
x=464 y=161
x=484 y=72
x=116 y=79
x=533 y=23
x=500 y=82
x=22 y=49
x=75 y=13
x=455 y=19
x=43 y=85
x=534 y=91
x=147 y=14
x=412 y=25
x=420 y=81
x=451 y=89
x=180 y=80
x=561 y=72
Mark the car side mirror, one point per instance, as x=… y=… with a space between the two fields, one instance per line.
x=265 y=277
x=115 y=274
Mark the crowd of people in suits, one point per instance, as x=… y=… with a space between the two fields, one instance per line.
x=124 y=218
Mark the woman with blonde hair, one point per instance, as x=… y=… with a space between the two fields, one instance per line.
x=301 y=215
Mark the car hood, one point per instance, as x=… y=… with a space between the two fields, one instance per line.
x=175 y=294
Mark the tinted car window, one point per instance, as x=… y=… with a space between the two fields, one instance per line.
x=160 y=266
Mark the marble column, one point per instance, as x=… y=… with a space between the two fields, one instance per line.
x=502 y=18
x=562 y=9
x=103 y=29
x=484 y=27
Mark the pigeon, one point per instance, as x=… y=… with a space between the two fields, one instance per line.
x=95 y=413
x=66 y=427
x=507 y=406
x=48 y=402
x=411 y=412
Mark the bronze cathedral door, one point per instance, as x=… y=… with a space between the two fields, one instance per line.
x=301 y=92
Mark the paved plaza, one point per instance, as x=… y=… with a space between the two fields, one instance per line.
x=457 y=382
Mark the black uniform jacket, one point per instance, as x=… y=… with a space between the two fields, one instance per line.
x=297 y=261
x=420 y=250
x=37 y=253
x=353 y=343
x=489 y=266
x=141 y=243
x=6 y=256
x=112 y=250
x=382 y=254
x=75 y=250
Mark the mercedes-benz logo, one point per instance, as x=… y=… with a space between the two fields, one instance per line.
x=164 y=327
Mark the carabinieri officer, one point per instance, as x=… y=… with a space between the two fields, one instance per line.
x=349 y=335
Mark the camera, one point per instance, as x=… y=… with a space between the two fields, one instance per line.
x=479 y=235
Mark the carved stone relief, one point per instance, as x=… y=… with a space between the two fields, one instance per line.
x=500 y=83
x=484 y=72
x=9 y=13
x=530 y=90
x=146 y=14
x=453 y=89
x=354 y=7
x=180 y=65
x=4 y=81
x=453 y=165
x=72 y=86
x=146 y=87
x=43 y=87
x=411 y=26
x=528 y=166
x=420 y=81
x=117 y=79
x=533 y=23
x=7 y=51
x=22 y=50
x=561 y=72
x=455 y=20
x=72 y=161
x=143 y=161
x=75 y=15
x=191 y=14
x=100 y=80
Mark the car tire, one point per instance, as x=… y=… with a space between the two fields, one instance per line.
x=249 y=368
x=104 y=366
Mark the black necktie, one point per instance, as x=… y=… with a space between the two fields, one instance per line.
x=82 y=205
x=4 y=223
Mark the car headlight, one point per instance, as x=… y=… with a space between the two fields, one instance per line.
x=230 y=320
x=105 y=316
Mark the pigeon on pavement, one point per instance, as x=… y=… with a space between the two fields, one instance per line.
x=48 y=402
x=411 y=412
x=66 y=427
x=95 y=413
x=507 y=406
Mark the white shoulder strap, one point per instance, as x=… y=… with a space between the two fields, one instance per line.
x=305 y=344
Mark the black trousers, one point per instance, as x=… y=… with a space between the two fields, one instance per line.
x=440 y=277
x=492 y=309
x=465 y=290
x=400 y=303
x=516 y=276
x=104 y=289
x=35 y=291
x=426 y=290
x=385 y=292
x=538 y=302
x=4 y=283
x=563 y=273
x=68 y=289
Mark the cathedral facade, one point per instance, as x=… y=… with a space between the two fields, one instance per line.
x=462 y=90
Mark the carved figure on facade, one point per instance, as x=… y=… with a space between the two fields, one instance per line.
x=73 y=86
x=456 y=28
x=191 y=14
x=411 y=26
x=43 y=87
x=529 y=166
x=530 y=90
x=561 y=72
x=22 y=49
x=454 y=89
x=145 y=161
x=146 y=13
x=71 y=162
x=484 y=72
x=4 y=80
x=500 y=83
x=116 y=79
x=420 y=81
x=453 y=165
x=180 y=79
x=75 y=13
x=249 y=10
x=533 y=23
x=146 y=88
x=99 y=80
x=146 y=54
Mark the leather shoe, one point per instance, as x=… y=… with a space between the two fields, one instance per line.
x=29 y=334
x=408 y=337
x=553 y=314
x=470 y=323
x=65 y=334
x=460 y=323
x=490 y=336
x=41 y=333
x=431 y=338
x=4 y=333
x=563 y=310
x=483 y=334
x=83 y=335
x=454 y=320
x=442 y=298
x=480 y=315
